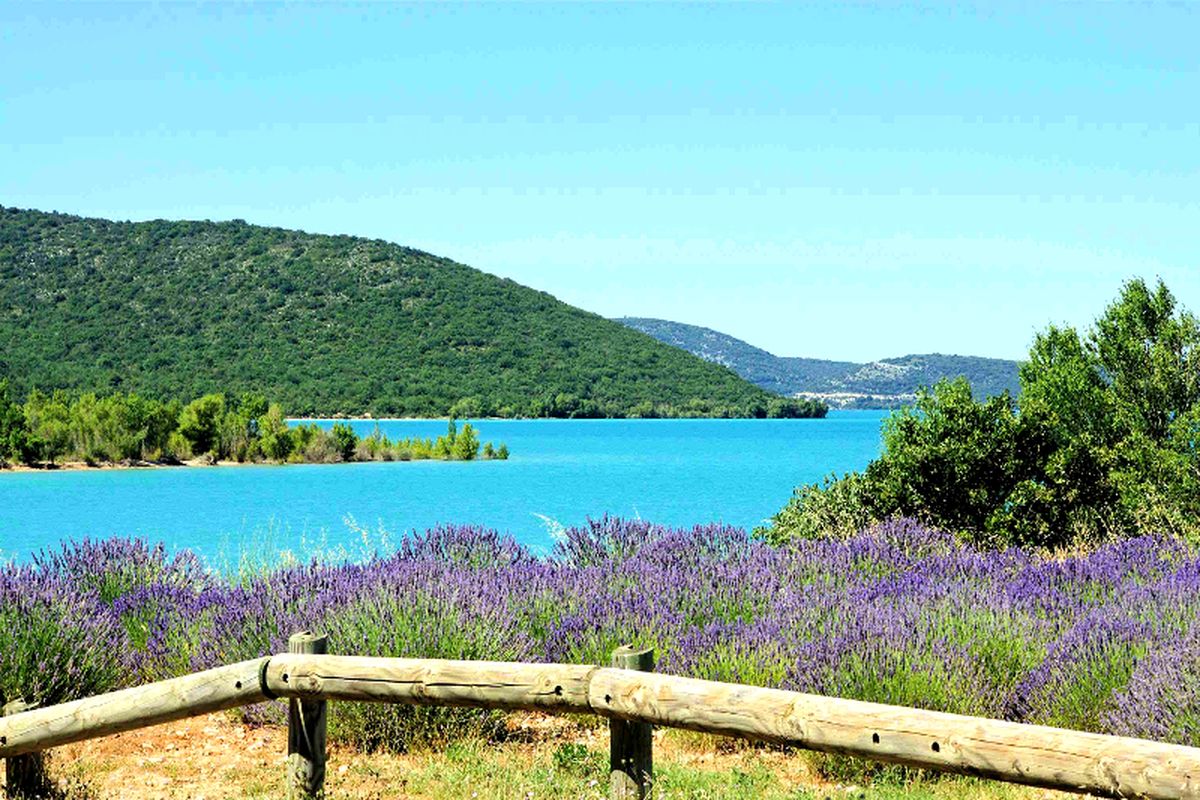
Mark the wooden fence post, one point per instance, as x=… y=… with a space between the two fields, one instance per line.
x=25 y=775
x=630 y=750
x=306 y=730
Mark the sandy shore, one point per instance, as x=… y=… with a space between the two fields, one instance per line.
x=73 y=466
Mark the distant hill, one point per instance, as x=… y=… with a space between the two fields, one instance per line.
x=879 y=384
x=325 y=324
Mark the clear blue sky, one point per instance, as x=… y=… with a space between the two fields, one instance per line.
x=834 y=181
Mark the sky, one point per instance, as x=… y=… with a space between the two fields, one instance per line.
x=845 y=181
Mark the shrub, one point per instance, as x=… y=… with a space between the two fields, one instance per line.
x=1102 y=442
x=200 y=423
x=57 y=643
x=344 y=440
x=837 y=508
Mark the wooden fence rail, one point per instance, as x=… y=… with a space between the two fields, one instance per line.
x=1109 y=766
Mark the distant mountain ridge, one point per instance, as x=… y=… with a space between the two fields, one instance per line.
x=884 y=383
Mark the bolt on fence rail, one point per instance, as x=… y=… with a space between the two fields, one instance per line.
x=1035 y=755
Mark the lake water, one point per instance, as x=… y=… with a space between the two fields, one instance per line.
x=679 y=472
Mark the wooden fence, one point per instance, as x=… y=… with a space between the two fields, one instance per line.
x=633 y=699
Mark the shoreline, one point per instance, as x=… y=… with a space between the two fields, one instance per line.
x=83 y=466
x=571 y=419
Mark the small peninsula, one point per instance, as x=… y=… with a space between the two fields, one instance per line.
x=48 y=431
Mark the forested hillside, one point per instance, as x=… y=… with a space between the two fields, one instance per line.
x=883 y=383
x=324 y=324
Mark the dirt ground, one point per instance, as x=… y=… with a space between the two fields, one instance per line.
x=216 y=757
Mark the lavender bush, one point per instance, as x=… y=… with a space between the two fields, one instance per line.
x=1106 y=640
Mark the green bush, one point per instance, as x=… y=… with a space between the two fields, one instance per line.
x=837 y=508
x=1104 y=441
x=14 y=435
x=200 y=423
x=54 y=648
x=344 y=440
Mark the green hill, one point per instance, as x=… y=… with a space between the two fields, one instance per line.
x=877 y=384
x=324 y=324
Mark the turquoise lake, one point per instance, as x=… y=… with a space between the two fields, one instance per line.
x=678 y=472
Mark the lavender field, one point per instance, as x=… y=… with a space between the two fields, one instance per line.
x=1105 y=641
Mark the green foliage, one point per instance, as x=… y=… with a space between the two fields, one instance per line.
x=1150 y=353
x=129 y=428
x=952 y=459
x=276 y=441
x=200 y=423
x=578 y=758
x=837 y=508
x=1105 y=441
x=96 y=429
x=497 y=453
x=48 y=419
x=466 y=444
x=14 y=433
x=468 y=408
x=782 y=408
x=325 y=325
x=344 y=440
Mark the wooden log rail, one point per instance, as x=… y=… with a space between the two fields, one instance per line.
x=1053 y=758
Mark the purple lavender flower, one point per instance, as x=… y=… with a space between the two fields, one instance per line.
x=1105 y=640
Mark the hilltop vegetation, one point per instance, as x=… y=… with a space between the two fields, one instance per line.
x=885 y=383
x=325 y=325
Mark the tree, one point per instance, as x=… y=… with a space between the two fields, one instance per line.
x=1065 y=395
x=48 y=420
x=251 y=406
x=161 y=420
x=949 y=458
x=85 y=428
x=121 y=428
x=467 y=408
x=276 y=438
x=1104 y=440
x=200 y=423
x=466 y=444
x=1063 y=384
x=443 y=447
x=1149 y=352
x=344 y=440
x=14 y=435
